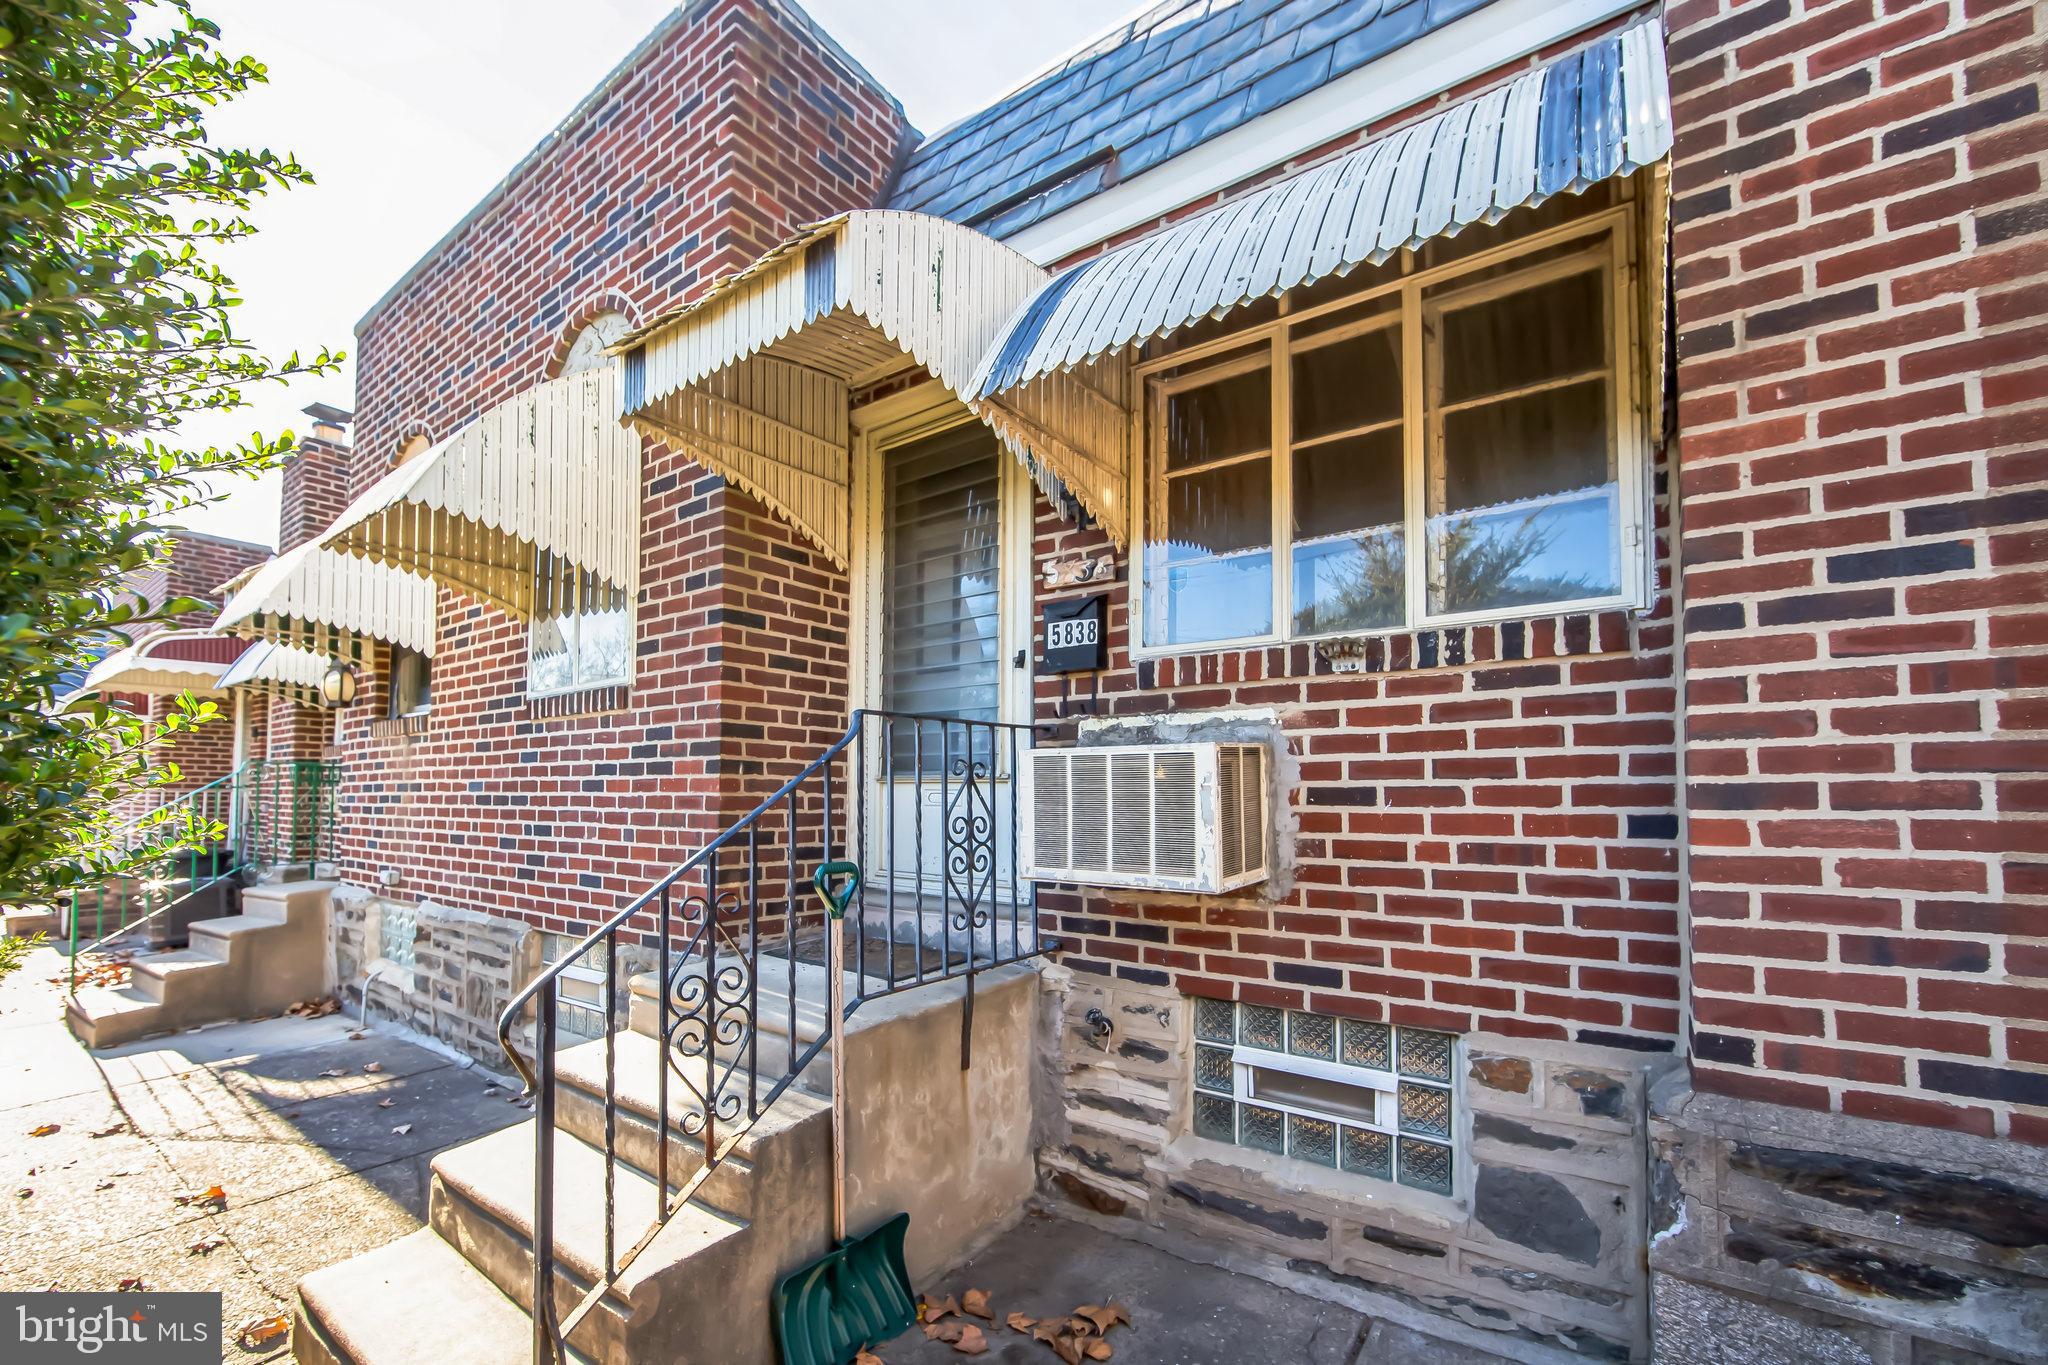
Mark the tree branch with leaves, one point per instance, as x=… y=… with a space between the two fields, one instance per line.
x=115 y=326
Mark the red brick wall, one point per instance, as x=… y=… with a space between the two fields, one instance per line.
x=734 y=127
x=1485 y=843
x=1860 y=298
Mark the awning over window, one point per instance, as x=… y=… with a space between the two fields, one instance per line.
x=278 y=671
x=754 y=380
x=1602 y=111
x=550 y=469
x=321 y=600
x=167 y=663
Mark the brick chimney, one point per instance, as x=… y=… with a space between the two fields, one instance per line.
x=315 y=479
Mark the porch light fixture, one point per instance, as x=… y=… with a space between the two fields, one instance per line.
x=338 y=685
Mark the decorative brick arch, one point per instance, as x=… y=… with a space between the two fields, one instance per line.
x=585 y=313
x=413 y=430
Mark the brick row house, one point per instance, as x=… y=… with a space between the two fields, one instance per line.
x=1439 y=603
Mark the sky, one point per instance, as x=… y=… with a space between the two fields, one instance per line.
x=407 y=112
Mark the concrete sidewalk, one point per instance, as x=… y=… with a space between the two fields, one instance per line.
x=312 y=1166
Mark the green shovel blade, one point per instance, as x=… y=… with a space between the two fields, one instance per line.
x=855 y=1296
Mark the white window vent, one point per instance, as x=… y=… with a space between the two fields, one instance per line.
x=1171 y=817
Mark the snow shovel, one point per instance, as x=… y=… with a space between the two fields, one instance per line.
x=858 y=1294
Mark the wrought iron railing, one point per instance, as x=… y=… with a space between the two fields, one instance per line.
x=261 y=815
x=725 y=931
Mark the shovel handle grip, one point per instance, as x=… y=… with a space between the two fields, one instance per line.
x=836 y=900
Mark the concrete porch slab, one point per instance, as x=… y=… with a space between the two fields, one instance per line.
x=1181 y=1313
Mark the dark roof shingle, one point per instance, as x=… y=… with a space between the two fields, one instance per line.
x=1173 y=77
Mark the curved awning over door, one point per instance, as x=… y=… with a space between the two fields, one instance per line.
x=278 y=671
x=320 y=600
x=166 y=664
x=551 y=469
x=755 y=379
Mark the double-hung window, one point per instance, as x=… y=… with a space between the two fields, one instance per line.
x=1451 y=445
x=582 y=631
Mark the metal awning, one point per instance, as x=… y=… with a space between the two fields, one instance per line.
x=754 y=380
x=322 y=600
x=551 y=469
x=275 y=670
x=166 y=663
x=1602 y=111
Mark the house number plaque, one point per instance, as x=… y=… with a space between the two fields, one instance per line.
x=1075 y=640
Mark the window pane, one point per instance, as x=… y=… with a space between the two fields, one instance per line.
x=1209 y=566
x=1350 y=552
x=1529 y=506
x=552 y=666
x=602 y=637
x=1347 y=384
x=1232 y=416
x=1553 y=329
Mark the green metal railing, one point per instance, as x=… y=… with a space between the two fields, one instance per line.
x=262 y=815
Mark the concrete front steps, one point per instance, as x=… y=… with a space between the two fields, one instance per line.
x=762 y=1212
x=951 y=1147
x=270 y=956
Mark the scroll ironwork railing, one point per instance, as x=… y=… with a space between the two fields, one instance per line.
x=928 y=806
x=262 y=815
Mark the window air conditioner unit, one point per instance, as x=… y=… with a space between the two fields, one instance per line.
x=1169 y=817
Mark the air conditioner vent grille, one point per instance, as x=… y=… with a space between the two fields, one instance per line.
x=1185 y=817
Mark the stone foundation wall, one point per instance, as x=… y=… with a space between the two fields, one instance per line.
x=1540 y=1253
x=1781 y=1235
x=467 y=967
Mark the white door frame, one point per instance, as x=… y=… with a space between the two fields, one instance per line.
x=894 y=421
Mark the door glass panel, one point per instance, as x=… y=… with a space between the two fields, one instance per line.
x=941 y=641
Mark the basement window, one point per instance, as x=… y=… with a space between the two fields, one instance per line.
x=579 y=990
x=1371 y=1099
x=398 y=928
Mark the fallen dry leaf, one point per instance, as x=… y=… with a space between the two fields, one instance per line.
x=944 y=1331
x=337 y=1071
x=260 y=1331
x=386 y=1103
x=212 y=1194
x=357 y=1036
x=372 y=1068
x=1098 y=1349
x=975 y=1301
x=931 y=1310
x=867 y=1357
x=1047 y=1330
x=24 y=1193
x=104 y=1185
x=206 y=1246
x=1020 y=1322
x=314 y=1009
x=1104 y=1316
x=971 y=1342
x=110 y=1132
x=1067 y=1349
x=402 y=1129
x=44 y=1130
x=134 y=1286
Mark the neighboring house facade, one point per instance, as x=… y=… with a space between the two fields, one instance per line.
x=1577 y=464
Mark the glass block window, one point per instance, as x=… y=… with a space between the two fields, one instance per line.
x=579 y=990
x=397 y=930
x=1371 y=1099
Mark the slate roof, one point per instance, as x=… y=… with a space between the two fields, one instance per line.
x=1176 y=75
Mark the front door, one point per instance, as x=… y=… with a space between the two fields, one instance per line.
x=946 y=639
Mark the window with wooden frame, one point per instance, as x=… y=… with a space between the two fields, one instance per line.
x=581 y=636
x=1481 y=409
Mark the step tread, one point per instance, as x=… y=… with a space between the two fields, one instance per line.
x=172 y=963
x=99 y=1002
x=495 y=1173
x=228 y=926
x=636 y=1082
x=415 y=1299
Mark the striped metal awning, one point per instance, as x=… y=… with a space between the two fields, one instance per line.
x=281 y=671
x=754 y=380
x=1602 y=111
x=551 y=469
x=166 y=664
x=324 y=601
